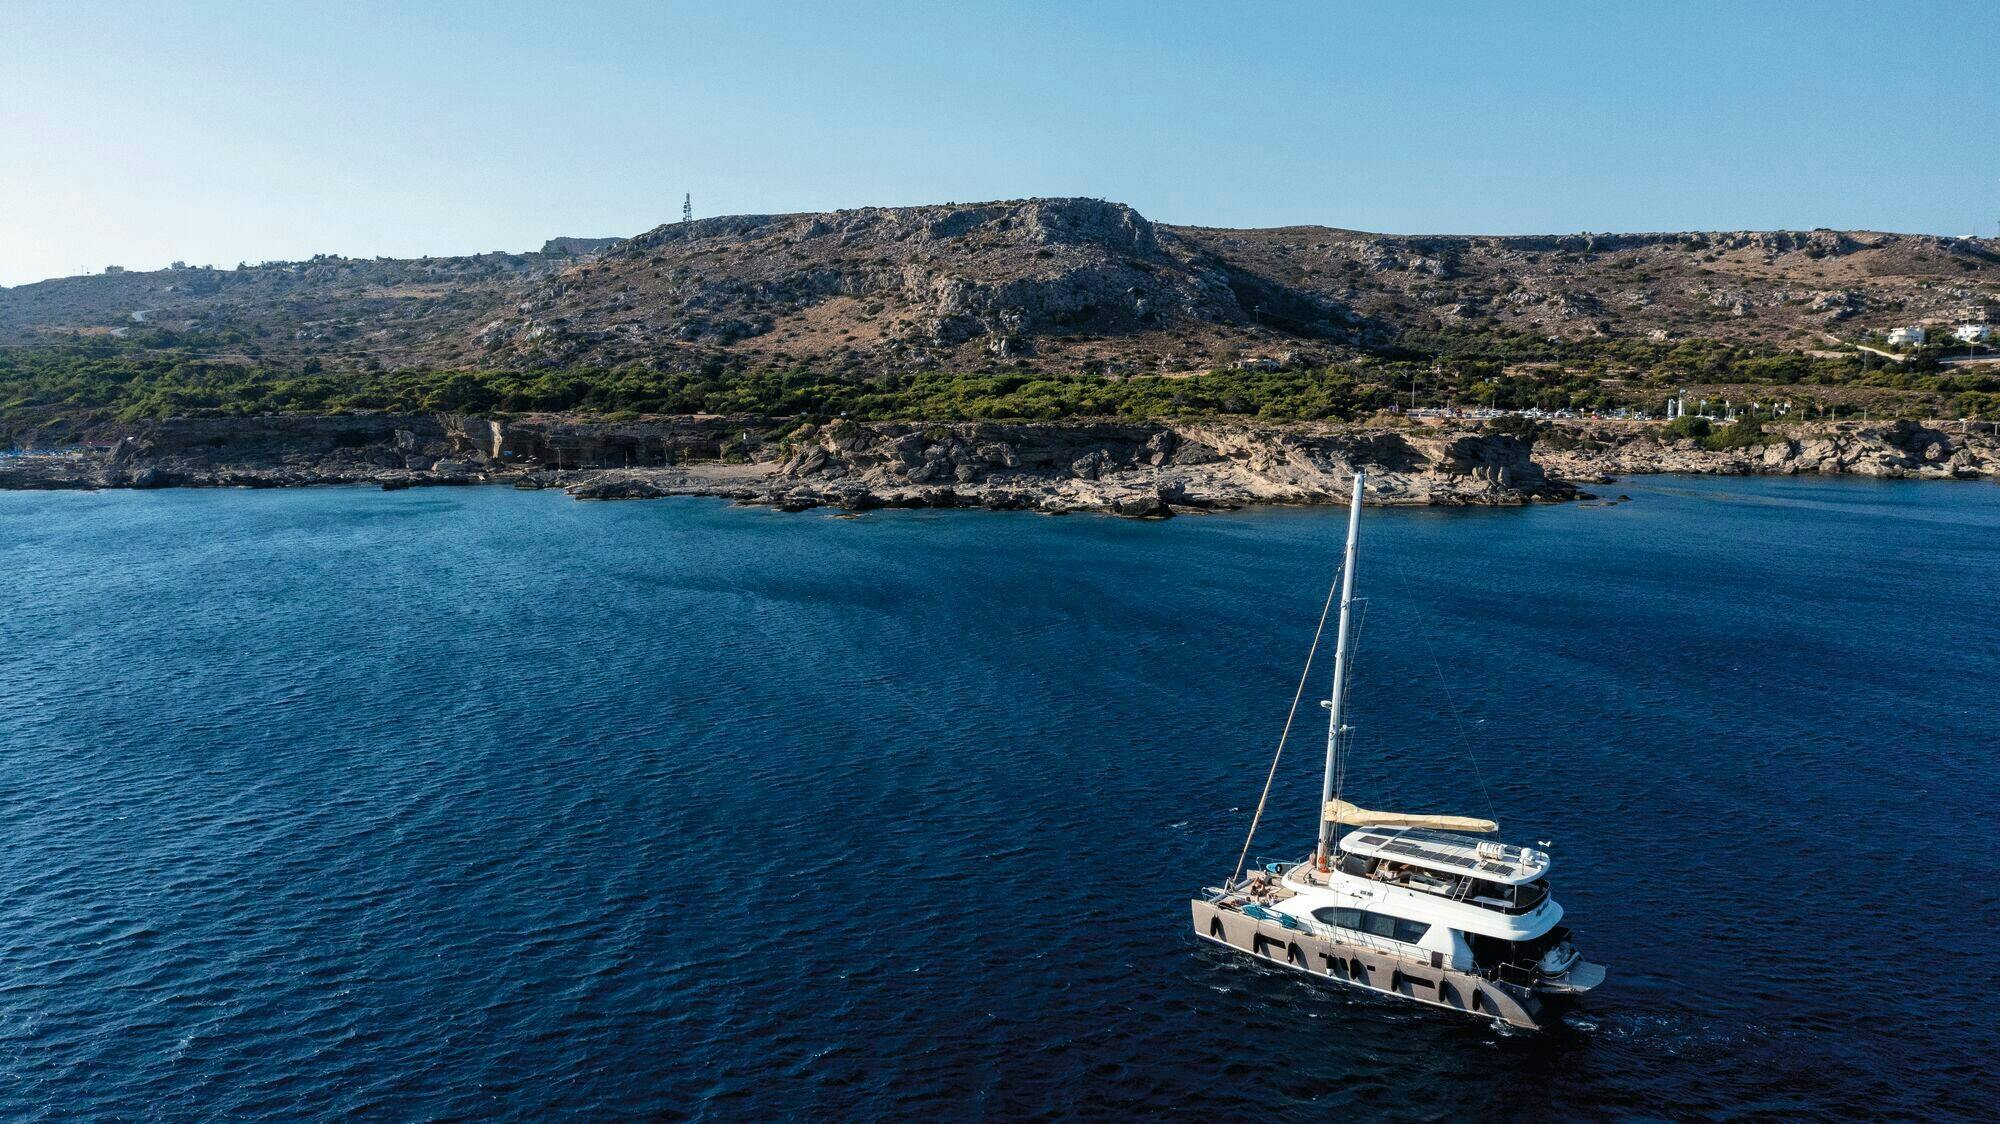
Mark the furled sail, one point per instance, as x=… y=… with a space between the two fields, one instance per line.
x=1342 y=812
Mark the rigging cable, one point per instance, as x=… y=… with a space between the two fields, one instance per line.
x=1345 y=739
x=1464 y=738
x=1294 y=713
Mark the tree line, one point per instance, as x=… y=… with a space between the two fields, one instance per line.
x=101 y=381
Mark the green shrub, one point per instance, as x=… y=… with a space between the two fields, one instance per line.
x=1685 y=426
x=1514 y=425
x=1743 y=433
x=168 y=376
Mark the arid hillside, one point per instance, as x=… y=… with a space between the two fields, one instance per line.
x=1074 y=285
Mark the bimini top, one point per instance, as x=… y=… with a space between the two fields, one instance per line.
x=1443 y=851
x=1341 y=812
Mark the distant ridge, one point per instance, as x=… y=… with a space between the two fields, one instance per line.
x=1067 y=284
x=572 y=247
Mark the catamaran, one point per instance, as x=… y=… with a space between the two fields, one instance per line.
x=1407 y=905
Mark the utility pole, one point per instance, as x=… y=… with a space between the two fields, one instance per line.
x=687 y=207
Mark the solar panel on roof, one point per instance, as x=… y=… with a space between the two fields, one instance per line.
x=1430 y=854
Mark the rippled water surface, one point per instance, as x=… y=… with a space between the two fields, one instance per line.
x=483 y=803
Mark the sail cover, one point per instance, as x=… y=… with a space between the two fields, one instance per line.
x=1342 y=812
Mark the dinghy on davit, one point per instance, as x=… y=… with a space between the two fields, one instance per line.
x=1413 y=906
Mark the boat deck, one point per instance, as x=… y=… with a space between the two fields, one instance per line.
x=1458 y=887
x=1449 y=853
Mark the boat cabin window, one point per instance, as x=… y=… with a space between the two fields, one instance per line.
x=1521 y=898
x=1492 y=952
x=1372 y=923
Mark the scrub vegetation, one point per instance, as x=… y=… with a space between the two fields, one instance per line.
x=121 y=380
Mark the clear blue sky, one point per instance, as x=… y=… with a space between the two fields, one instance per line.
x=138 y=133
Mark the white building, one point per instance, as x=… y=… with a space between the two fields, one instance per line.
x=1973 y=333
x=1913 y=336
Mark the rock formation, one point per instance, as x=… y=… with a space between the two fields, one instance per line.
x=1133 y=469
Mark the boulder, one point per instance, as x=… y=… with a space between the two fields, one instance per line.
x=999 y=454
x=857 y=499
x=1145 y=505
x=616 y=488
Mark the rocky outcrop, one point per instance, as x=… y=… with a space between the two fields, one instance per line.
x=1594 y=452
x=1149 y=470
x=571 y=247
x=1142 y=470
x=1133 y=469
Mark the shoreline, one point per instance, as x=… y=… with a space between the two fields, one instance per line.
x=1130 y=469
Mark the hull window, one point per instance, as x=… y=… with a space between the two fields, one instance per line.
x=1407 y=984
x=1372 y=923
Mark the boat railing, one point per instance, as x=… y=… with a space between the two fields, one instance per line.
x=1459 y=891
x=1275 y=868
x=1511 y=972
x=1394 y=948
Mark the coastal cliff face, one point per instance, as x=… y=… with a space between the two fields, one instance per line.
x=1596 y=452
x=1151 y=469
x=1133 y=469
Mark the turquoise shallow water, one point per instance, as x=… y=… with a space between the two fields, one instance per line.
x=483 y=803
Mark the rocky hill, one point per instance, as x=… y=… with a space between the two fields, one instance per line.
x=1075 y=285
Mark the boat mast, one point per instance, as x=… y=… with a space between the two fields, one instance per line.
x=1333 y=727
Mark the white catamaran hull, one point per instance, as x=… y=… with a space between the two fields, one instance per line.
x=1375 y=970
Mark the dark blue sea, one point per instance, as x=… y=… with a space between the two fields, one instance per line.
x=486 y=804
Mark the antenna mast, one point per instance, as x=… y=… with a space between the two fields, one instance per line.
x=687 y=207
x=1333 y=727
